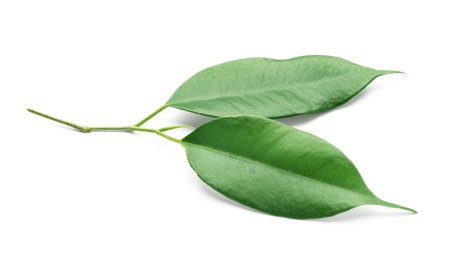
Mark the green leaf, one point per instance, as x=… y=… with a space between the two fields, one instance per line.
x=276 y=169
x=273 y=88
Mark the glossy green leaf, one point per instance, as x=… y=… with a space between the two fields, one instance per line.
x=276 y=169
x=273 y=88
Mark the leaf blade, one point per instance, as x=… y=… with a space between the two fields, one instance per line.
x=273 y=88
x=261 y=163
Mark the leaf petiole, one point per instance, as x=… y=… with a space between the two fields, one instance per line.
x=88 y=129
x=156 y=131
x=151 y=115
x=168 y=128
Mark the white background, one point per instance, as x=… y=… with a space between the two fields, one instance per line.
x=68 y=195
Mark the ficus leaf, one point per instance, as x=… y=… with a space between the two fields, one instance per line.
x=273 y=88
x=276 y=169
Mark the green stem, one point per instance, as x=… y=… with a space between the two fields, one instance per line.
x=88 y=129
x=164 y=129
x=81 y=128
x=110 y=128
x=151 y=115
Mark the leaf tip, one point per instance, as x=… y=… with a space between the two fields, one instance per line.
x=411 y=210
x=392 y=205
x=408 y=209
x=386 y=72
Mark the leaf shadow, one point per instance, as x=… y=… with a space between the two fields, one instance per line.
x=195 y=120
x=299 y=119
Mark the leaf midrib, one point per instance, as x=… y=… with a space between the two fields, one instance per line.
x=287 y=87
x=280 y=170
